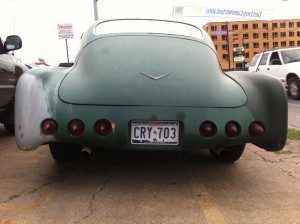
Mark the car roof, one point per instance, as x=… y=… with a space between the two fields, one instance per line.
x=281 y=49
x=194 y=32
x=149 y=26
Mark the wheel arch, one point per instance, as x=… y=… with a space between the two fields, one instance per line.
x=290 y=75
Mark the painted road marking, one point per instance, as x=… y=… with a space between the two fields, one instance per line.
x=209 y=208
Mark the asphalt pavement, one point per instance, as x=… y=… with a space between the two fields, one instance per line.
x=115 y=186
x=294 y=113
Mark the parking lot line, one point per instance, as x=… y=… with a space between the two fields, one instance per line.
x=209 y=208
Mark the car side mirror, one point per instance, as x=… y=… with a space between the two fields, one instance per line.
x=275 y=62
x=12 y=43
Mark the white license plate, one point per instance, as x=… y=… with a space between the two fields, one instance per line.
x=155 y=132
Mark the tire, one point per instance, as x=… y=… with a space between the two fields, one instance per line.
x=64 y=152
x=228 y=154
x=10 y=128
x=294 y=87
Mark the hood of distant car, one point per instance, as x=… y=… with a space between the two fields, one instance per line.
x=152 y=70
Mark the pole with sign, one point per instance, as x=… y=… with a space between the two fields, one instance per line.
x=239 y=55
x=95 y=9
x=65 y=31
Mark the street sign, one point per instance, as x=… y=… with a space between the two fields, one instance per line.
x=219 y=32
x=65 y=31
x=223 y=12
x=236 y=49
x=239 y=58
x=238 y=54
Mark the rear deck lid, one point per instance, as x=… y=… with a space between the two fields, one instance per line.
x=149 y=70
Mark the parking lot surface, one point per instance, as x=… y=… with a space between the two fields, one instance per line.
x=149 y=187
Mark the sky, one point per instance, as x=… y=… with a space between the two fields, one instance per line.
x=35 y=21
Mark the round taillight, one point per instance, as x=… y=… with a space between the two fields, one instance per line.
x=103 y=127
x=207 y=129
x=49 y=126
x=76 y=127
x=232 y=129
x=256 y=129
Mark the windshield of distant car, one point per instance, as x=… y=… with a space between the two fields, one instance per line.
x=289 y=56
x=254 y=60
x=148 y=26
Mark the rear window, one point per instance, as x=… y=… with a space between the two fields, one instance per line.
x=147 y=26
x=292 y=55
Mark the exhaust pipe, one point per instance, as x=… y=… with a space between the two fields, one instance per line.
x=86 y=152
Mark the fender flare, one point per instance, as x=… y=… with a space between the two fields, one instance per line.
x=267 y=101
x=36 y=91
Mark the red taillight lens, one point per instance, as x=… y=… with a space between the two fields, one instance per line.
x=76 y=127
x=49 y=126
x=232 y=129
x=103 y=127
x=256 y=129
x=207 y=129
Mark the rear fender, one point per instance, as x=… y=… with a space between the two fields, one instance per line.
x=267 y=101
x=36 y=93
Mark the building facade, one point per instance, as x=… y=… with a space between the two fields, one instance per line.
x=254 y=36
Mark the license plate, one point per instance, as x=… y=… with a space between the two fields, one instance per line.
x=155 y=132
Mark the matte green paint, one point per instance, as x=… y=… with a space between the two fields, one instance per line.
x=108 y=72
x=266 y=101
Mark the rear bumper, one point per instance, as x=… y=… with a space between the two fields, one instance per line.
x=189 y=118
x=30 y=137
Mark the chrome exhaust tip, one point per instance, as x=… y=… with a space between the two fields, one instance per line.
x=86 y=152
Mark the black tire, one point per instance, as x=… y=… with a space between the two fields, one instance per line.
x=294 y=87
x=64 y=152
x=10 y=128
x=228 y=154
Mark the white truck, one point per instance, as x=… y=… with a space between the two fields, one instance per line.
x=283 y=64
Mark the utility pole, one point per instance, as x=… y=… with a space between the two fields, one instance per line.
x=228 y=47
x=67 y=50
x=244 y=54
x=95 y=9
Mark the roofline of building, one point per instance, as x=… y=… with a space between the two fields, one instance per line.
x=246 y=21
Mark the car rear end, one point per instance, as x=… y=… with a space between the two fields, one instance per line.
x=140 y=91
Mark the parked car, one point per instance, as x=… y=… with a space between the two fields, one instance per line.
x=39 y=63
x=10 y=71
x=283 y=64
x=148 y=85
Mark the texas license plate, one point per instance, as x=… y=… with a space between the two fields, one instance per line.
x=155 y=132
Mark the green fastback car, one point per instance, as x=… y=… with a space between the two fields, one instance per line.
x=148 y=85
